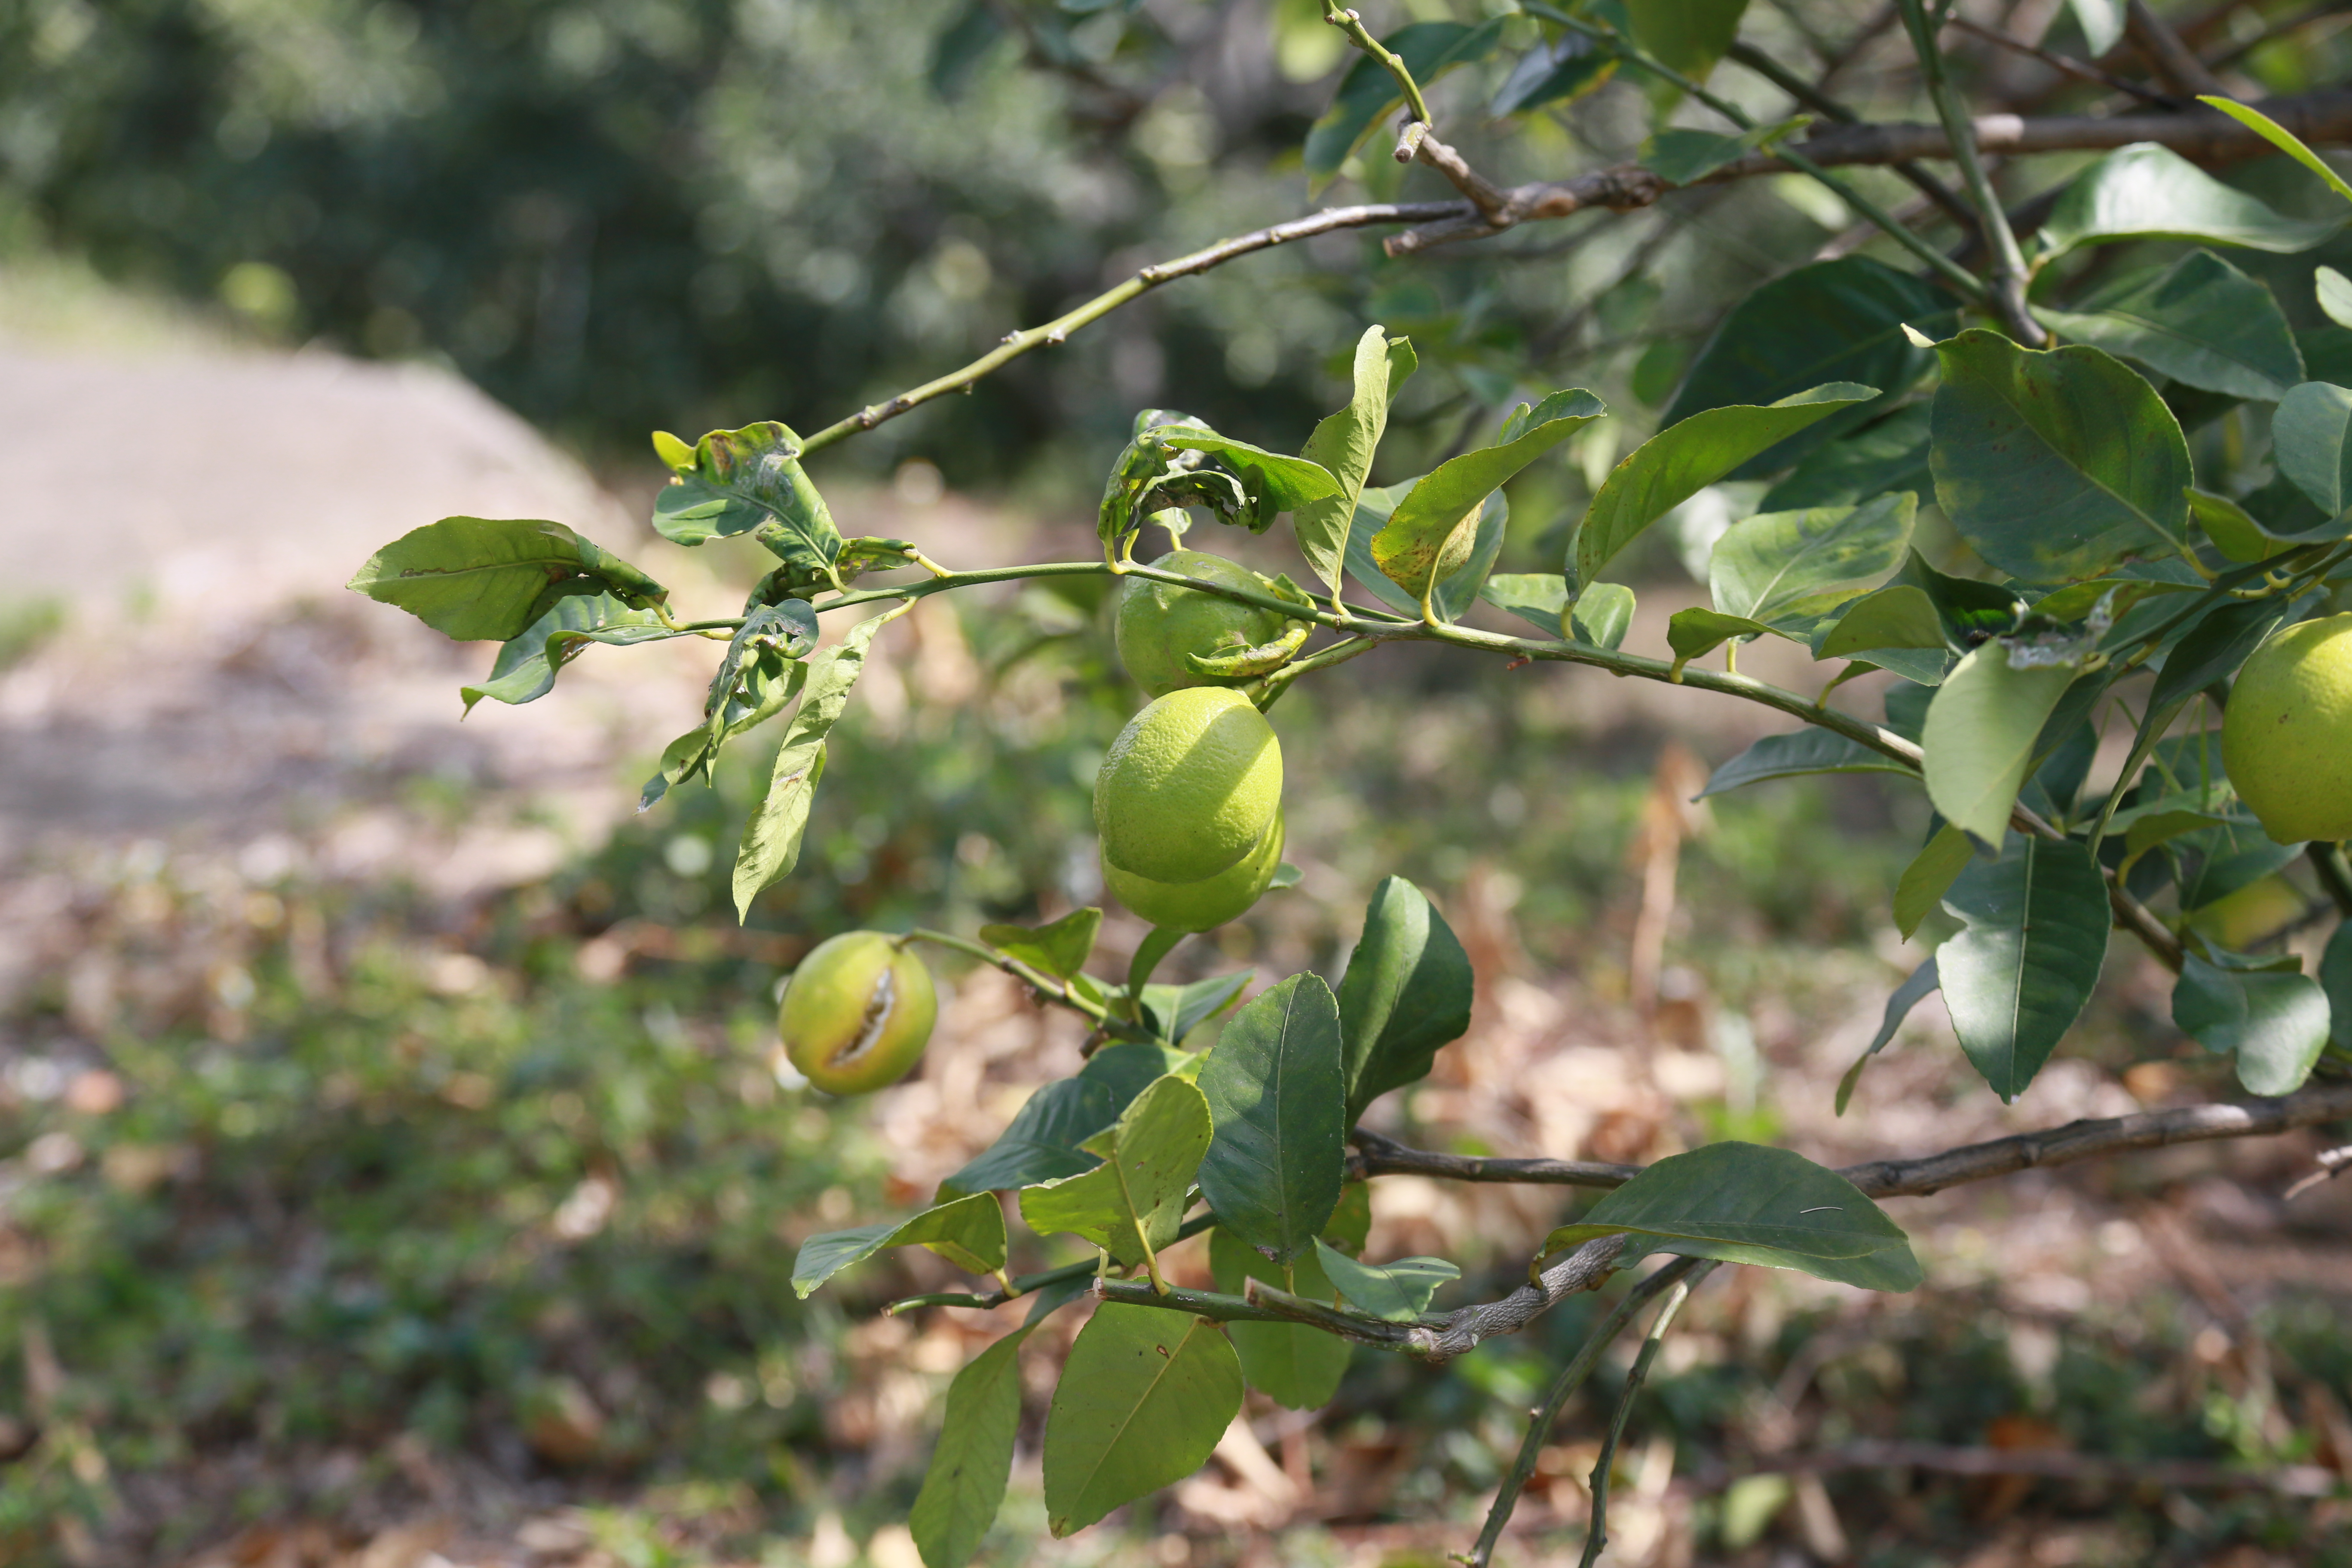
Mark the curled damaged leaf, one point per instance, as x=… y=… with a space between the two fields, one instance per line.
x=1263 y=659
x=479 y=579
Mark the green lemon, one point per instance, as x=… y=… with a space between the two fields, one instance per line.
x=1159 y=624
x=2286 y=737
x=1207 y=903
x=857 y=1013
x=1189 y=786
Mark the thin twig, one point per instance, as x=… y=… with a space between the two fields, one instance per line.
x=2293 y=1480
x=2067 y=65
x=1347 y=22
x=2173 y=60
x=1812 y=98
x=2008 y=260
x=2331 y=1163
x=1596 y=1534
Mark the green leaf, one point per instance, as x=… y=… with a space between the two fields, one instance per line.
x=1743 y=1203
x=527 y=664
x=485 y=579
x=1143 y=1399
x=2200 y=321
x=1175 y=1011
x=2335 y=292
x=1407 y=991
x=1276 y=1093
x=1930 y=876
x=1832 y=320
x=1682 y=459
x=1368 y=92
x=1459 y=590
x=2311 y=441
x=2275 y=1023
x=1556 y=70
x=1134 y=1200
x=2231 y=527
x=1130 y=1067
x=1278 y=482
x=1602 y=616
x=1060 y=949
x=968 y=1232
x=1809 y=750
x=1344 y=444
x=1536 y=597
x=2215 y=647
x=751 y=481
x=2056 y=465
x=1981 y=737
x=2280 y=137
x=1044 y=1140
x=1429 y=535
x=1891 y=455
x=1295 y=1366
x=1786 y=566
x=1688 y=35
x=1398 y=1291
x=1351 y=1223
x=2147 y=192
x=2017 y=977
x=1900 y=616
x=2335 y=980
x=964 y=1486
x=2102 y=22
x=1913 y=989
x=1372 y=509
x=1681 y=157
x=1695 y=633
x=772 y=838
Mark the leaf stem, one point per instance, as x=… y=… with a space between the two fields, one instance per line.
x=1347 y=22
x=2007 y=291
x=1051 y=989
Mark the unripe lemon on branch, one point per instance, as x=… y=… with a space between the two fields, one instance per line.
x=857 y=1013
x=1158 y=623
x=1209 y=902
x=2286 y=737
x=1189 y=787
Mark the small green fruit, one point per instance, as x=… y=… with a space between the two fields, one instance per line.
x=1207 y=903
x=1189 y=786
x=2287 y=735
x=857 y=1013
x=1159 y=624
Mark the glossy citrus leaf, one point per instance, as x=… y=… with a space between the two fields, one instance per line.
x=2016 y=977
x=964 y=1486
x=1278 y=1100
x=1407 y=991
x=1142 y=1400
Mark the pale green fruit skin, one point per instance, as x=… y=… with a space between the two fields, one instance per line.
x=1189 y=786
x=858 y=1014
x=1158 y=625
x=1206 y=904
x=2286 y=737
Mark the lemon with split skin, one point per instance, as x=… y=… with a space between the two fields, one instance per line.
x=1209 y=902
x=1158 y=623
x=857 y=1013
x=1189 y=787
x=2287 y=736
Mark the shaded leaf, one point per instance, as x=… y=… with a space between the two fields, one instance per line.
x=1142 y=1400
x=2200 y=321
x=1743 y=1203
x=1130 y=1067
x=1915 y=989
x=1682 y=459
x=1276 y=1093
x=1901 y=616
x=2214 y=647
x=2016 y=978
x=1177 y=1010
x=1809 y=750
x=1695 y=633
x=1602 y=616
x=2149 y=192
x=527 y=664
x=1557 y=70
x=1829 y=321
x=1277 y=483
x=1398 y=1291
x=751 y=481
x=2311 y=441
x=964 y=1486
x=2274 y=1022
x=2102 y=22
x=1796 y=566
x=1407 y=991
x=2056 y=464
x=1929 y=876
x=1295 y=1366
x=2231 y=527
x=1044 y=1140
x=1681 y=157
x=1891 y=455
x=772 y=838
x=2335 y=980
x=1536 y=597
x=1688 y=35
